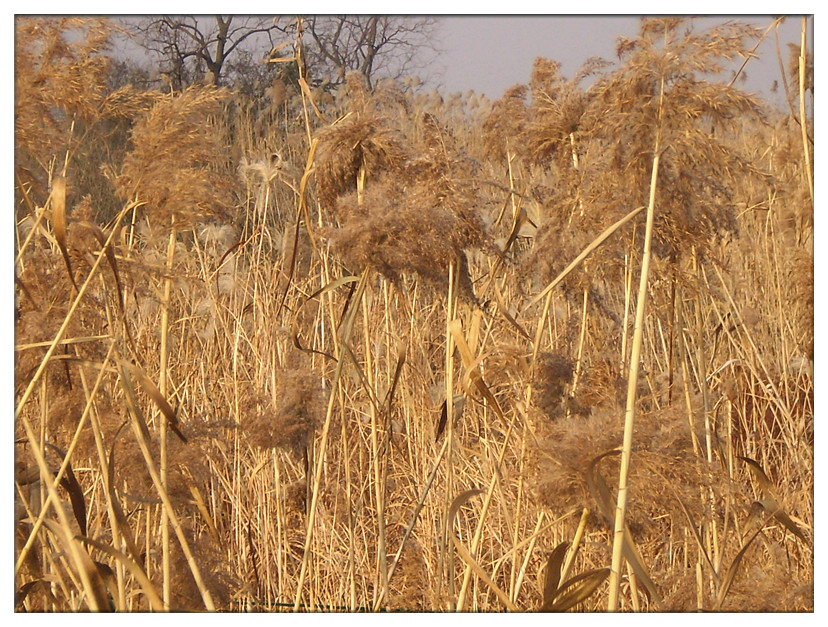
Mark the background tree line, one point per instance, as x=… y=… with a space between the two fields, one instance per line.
x=232 y=50
x=261 y=59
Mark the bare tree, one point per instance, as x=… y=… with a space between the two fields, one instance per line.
x=374 y=46
x=193 y=48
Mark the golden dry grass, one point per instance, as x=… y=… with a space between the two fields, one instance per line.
x=297 y=324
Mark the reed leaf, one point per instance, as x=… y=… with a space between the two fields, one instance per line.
x=576 y=590
x=161 y=402
x=58 y=206
x=70 y=483
x=458 y=502
x=135 y=570
x=552 y=573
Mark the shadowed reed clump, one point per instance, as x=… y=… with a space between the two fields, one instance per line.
x=292 y=423
x=65 y=108
x=553 y=372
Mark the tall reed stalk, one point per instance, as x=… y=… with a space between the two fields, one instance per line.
x=619 y=528
x=803 y=52
x=162 y=423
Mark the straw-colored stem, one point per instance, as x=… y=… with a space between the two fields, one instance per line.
x=347 y=327
x=139 y=428
x=576 y=545
x=448 y=554
x=576 y=375
x=91 y=587
x=803 y=51
x=632 y=384
x=162 y=424
x=379 y=488
x=478 y=535
x=62 y=470
x=516 y=531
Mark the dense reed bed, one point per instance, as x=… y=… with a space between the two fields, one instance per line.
x=381 y=350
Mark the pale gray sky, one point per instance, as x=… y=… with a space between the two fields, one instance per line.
x=489 y=54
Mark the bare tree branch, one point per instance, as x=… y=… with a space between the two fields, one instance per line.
x=197 y=48
x=374 y=46
x=194 y=49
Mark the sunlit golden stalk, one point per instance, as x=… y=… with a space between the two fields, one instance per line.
x=530 y=550
x=352 y=558
x=518 y=512
x=117 y=537
x=300 y=65
x=347 y=327
x=478 y=534
x=414 y=517
x=509 y=158
x=90 y=587
x=138 y=429
x=162 y=425
x=379 y=488
x=709 y=529
x=628 y=281
x=41 y=215
x=803 y=51
x=576 y=545
x=581 y=339
x=633 y=588
x=448 y=562
x=632 y=382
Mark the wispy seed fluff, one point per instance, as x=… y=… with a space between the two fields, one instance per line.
x=418 y=210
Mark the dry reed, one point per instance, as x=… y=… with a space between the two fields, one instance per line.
x=303 y=322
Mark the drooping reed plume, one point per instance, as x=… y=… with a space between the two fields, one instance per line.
x=417 y=210
x=174 y=162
